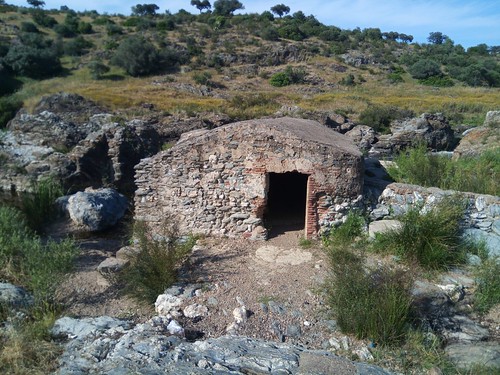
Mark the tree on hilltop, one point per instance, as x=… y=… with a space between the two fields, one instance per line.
x=227 y=7
x=280 y=10
x=437 y=37
x=36 y=3
x=201 y=5
x=145 y=9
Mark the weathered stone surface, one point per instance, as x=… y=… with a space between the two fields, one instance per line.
x=195 y=311
x=466 y=356
x=382 y=226
x=430 y=129
x=478 y=140
x=98 y=346
x=216 y=182
x=74 y=140
x=97 y=209
x=14 y=296
x=363 y=136
x=112 y=265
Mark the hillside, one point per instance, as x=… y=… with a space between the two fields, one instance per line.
x=185 y=65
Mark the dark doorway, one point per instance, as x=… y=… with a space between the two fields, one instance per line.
x=286 y=202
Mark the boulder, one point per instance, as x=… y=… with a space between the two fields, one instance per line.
x=383 y=226
x=478 y=140
x=363 y=136
x=431 y=129
x=97 y=210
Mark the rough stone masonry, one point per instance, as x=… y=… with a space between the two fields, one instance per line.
x=216 y=182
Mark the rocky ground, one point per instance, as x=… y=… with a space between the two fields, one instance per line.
x=247 y=300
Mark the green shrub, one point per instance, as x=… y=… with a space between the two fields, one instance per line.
x=288 y=77
x=203 y=78
x=380 y=117
x=432 y=239
x=8 y=109
x=77 y=47
x=137 y=56
x=39 y=205
x=425 y=68
x=347 y=232
x=97 y=69
x=42 y=19
x=488 y=285
x=32 y=62
x=373 y=304
x=26 y=260
x=478 y=174
x=154 y=267
x=438 y=81
x=29 y=27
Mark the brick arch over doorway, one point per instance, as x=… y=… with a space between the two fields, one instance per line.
x=219 y=182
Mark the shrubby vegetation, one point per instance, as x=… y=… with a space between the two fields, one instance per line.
x=289 y=77
x=155 y=266
x=374 y=303
x=380 y=117
x=478 y=174
x=432 y=239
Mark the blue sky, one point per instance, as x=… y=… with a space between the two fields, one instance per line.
x=466 y=22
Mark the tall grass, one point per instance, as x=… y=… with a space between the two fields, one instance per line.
x=432 y=239
x=155 y=266
x=39 y=205
x=25 y=260
x=488 y=285
x=370 y=303
x=473 y=174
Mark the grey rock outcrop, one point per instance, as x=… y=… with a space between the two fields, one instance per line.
x=106 y=345
x=478 y=140
x=97 y=209
x=431 y=129
x=77 y=142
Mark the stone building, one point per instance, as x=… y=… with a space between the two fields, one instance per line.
x=246 y=178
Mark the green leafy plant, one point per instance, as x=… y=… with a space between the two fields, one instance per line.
x=380 y=117
x=155 y=265
x=347 y=232
x=288 y=77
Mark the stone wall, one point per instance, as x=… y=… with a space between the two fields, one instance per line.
x=482 y=216
x=216 y=182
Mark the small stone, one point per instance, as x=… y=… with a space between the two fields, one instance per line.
x=293 y=330
x=167 y=304
x=240 y=314
x=174 y=328
x=195 y=311
x=112 y=265
x=364 y=354
x=345 y=342
x=334 y=343
x=212 y=301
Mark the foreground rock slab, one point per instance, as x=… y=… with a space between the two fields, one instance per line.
x=111 y=346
